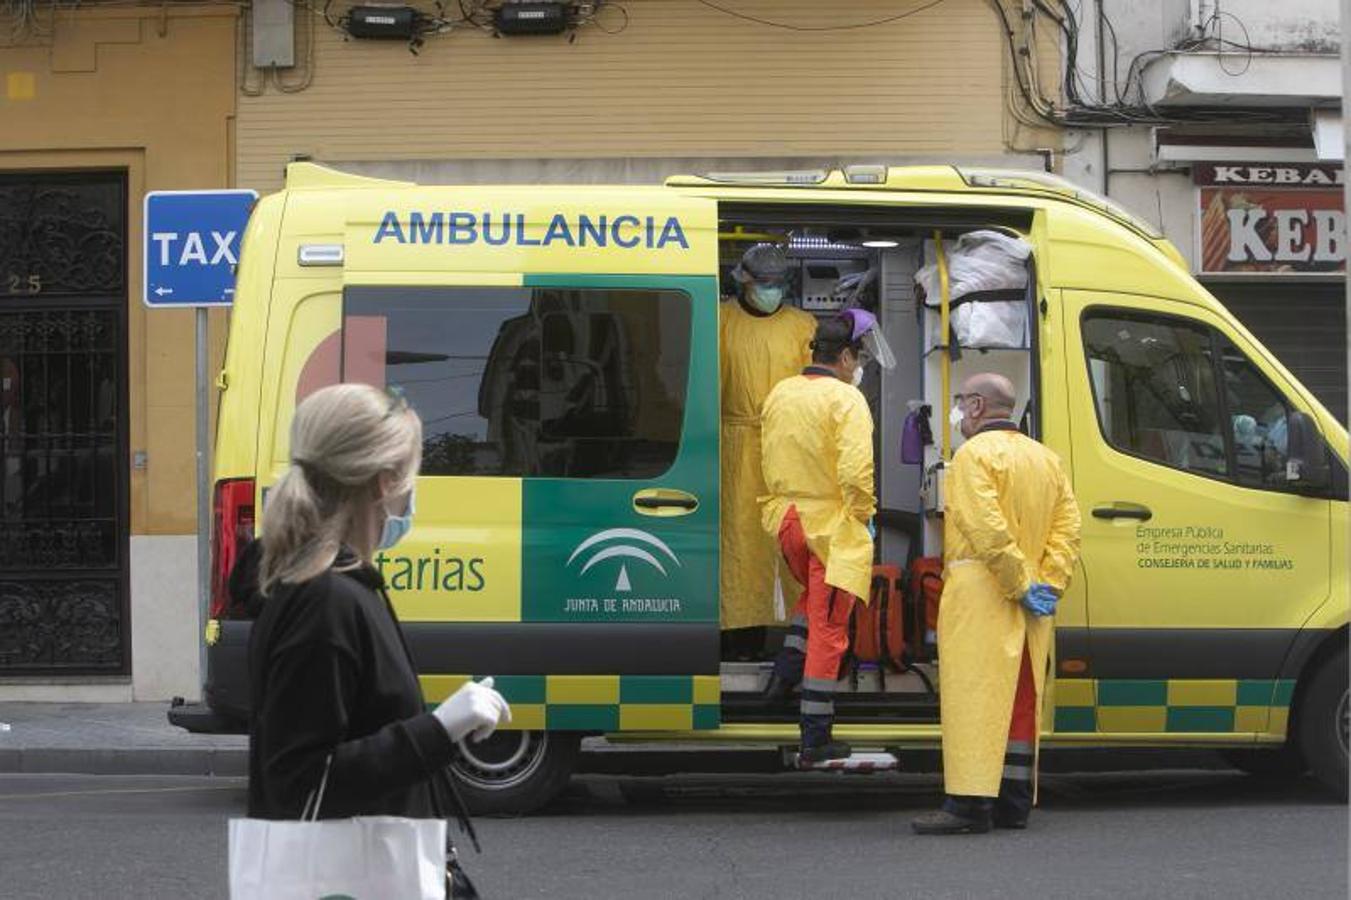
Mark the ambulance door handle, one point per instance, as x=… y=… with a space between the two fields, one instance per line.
x=664 y=502
x=1123 y=511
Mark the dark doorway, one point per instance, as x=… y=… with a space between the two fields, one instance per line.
x=63 y=424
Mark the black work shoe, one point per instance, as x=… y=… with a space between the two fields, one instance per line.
x=943 y=822
x=1009 y=821
x=777 y=691
x=811 y=756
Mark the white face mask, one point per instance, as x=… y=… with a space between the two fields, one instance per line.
x=858 y=376
x=765 y=298
x=956 y=417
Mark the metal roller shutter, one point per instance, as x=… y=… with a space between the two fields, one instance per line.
x=1304 y=325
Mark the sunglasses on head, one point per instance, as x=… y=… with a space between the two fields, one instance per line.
x=398 y=402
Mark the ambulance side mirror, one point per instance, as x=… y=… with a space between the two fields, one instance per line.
x=1307 y=465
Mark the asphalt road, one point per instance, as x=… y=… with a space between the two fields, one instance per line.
x=1131 y=835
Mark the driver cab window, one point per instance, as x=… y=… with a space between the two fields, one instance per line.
x=1154 y=388
x=1259 y=414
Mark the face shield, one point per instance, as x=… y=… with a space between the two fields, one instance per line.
x=867 y=332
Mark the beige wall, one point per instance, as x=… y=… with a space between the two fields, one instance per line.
x=681 y=81
x=152 y=91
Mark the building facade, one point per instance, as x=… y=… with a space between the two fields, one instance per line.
x=97 y=519
x=647 y=89
x=1228 y=136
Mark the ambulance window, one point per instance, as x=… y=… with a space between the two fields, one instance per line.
x=1258 y=413
x=522 y=382
x=1154 y=386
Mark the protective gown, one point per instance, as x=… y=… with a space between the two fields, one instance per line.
x=818 y=452
x=1010 y=520
x=756 y=353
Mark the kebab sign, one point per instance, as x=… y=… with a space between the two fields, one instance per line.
x=1271 y=219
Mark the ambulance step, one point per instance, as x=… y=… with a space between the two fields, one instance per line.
x=862 y=762
x=751 y=678
x=854 y=708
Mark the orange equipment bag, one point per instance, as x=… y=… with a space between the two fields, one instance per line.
x=926 y=589
x=877 y=629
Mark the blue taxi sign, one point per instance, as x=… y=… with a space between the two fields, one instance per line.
x=192 y=241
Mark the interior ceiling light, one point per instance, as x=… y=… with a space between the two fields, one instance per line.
x=881 y=243
x=819 y=243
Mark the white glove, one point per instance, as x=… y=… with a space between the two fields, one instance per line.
x=474 y=710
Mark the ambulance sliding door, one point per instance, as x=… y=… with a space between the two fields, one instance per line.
x=566 y=531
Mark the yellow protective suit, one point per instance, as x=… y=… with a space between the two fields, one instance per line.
x=1010 y=520
x=756 y=353
x=818 y=453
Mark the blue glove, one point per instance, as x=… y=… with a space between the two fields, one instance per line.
x=1040 y=600
x=872 y=530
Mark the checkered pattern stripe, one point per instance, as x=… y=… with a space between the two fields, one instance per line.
x=1173 y=706
x=605 y=703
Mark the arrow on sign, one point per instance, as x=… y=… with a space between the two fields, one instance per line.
x=161 y=291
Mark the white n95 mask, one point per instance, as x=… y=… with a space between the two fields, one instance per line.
x=956 y=417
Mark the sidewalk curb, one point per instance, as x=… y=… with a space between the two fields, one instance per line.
x=230 y=762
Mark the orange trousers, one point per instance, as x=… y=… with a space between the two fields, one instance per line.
x=818 y=634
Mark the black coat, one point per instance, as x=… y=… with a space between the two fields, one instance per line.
x=330 y=673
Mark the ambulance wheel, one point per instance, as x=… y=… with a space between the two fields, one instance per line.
x=514 y=772
x=1324 y=722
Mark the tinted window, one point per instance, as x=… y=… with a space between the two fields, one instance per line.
x=1258 y=413
x=529 y=382
x=1154 y=386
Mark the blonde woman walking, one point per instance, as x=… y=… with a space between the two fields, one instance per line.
x=330 y=672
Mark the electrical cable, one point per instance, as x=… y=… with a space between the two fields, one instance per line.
x=818 y=28
x=1017 y=73
x=1131 y=106
x=1218 y=18
x=469 y=10
x=594 y=17
x=245 y=23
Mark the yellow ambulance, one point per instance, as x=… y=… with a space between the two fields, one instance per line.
x=561 y=346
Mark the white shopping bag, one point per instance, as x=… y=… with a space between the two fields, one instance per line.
x=365 y=858
x=362 y=859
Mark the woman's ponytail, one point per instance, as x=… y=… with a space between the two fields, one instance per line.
x=343 y=439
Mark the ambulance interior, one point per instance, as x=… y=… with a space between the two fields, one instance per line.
x=838 y=259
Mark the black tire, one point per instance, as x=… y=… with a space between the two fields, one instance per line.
x=1276 y=764
x=514 y=772
x=1323 y=724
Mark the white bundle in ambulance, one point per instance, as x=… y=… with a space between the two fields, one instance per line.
x=987 y=277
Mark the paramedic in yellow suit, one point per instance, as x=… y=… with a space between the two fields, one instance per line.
x=761 y=342
x=818 y=452
x=1011 y=539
